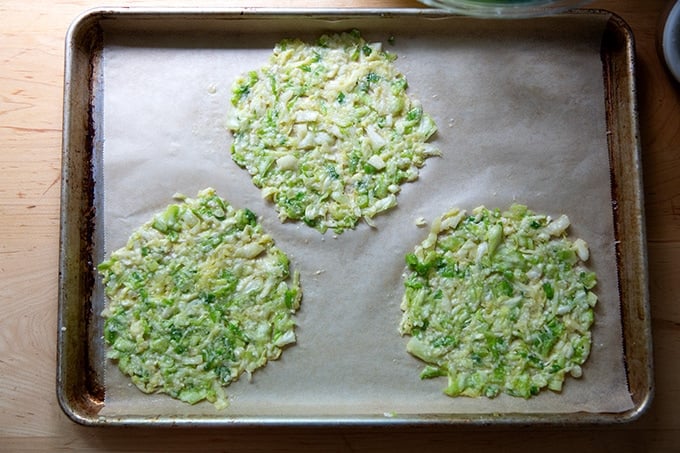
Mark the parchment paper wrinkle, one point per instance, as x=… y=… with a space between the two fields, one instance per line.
x=520 y=110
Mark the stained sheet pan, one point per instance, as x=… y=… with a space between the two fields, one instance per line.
x=541 y=111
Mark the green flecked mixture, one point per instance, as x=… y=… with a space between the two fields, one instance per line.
x=327 y=132
x=499 y=302
x=198 y=296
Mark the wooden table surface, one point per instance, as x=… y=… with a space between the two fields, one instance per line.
x=31 y=83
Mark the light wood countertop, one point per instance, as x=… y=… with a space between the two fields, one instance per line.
x=31 y=93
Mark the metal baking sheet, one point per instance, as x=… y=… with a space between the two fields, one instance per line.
x=81 y=384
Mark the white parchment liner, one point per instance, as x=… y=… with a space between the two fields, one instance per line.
x=521 y=118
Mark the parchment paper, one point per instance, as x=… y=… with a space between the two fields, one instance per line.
x=520 y=110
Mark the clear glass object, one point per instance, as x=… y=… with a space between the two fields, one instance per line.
x=506 y=8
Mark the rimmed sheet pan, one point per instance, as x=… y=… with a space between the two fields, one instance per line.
x=542 y=112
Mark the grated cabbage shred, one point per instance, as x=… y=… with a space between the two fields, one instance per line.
x=499 y=302
x=198 y=296
x=327 y=131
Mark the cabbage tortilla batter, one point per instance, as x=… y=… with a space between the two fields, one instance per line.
x=198 y=296
x=499 y=302
x=327 y=131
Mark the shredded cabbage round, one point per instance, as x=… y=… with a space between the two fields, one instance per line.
x=499 y=302
x=327 y=131
x=198 y=296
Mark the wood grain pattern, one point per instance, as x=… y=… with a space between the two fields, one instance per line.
x=31 y=91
